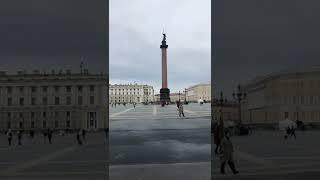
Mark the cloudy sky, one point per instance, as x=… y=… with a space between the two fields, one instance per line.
x=53 y=34
x=259 y=37
x=135 y=37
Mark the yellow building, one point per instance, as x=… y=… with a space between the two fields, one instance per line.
x=199 y=91
x=293 y=94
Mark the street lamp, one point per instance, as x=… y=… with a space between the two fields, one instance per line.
x=185 y=95
x=220 y=103
x=239 y=96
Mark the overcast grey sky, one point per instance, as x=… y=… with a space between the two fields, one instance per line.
x=135 y=37
x=53 y=34
x=259 y=37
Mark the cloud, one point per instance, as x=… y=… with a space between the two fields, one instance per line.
x=135 y=37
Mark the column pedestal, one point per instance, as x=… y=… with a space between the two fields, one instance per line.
x=164 y=96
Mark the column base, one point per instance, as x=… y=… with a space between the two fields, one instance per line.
x=164 y=96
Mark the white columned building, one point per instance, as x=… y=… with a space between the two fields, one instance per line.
x=56 y=100
x=131 y=93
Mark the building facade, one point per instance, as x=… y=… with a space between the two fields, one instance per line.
x=229 y=111
x=293 y=94
x=131 y=93
x=199 y=91
x=57 y=101
x=174 y=97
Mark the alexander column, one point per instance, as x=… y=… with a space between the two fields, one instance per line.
x=164 y=91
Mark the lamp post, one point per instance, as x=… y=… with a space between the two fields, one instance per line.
x=179 y=96
x=239 y=96
x=185 y=95
x=220 y=103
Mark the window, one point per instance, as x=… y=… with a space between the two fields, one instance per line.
x=44 y=100
x=68 y=89
x=21 y=125
x=44 y=114
x=33 y=101
x=9 y=90
x=45 y=89
x=33 y=89
x=21 y=101
x=302 y=99
x=56 y=124
x=56 y=114
x=91 y=99
x=21 y=115
x=44 y=124
x=79 y=100
x=9 y=115
x=311 y=84
x=68 y=100
x=312 y=116
x=294 y=100
x=32 y=115
x=56 y=100
x=9 y=101
x=91 y=88
x=21 y=89
x=80 y=88
x=32 y=124
x=311 y=99
x=68 y=124
x=57 y=88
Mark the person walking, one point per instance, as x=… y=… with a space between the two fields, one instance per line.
x=78 y=137
x=178 y=104
x=9 y=134
x=44 y=136
x=227 y=154
x=181 y=110
x=293 y=132
x=49 y=135
x=19 y=137
x=84 y=134
x=287 y=132
x=31 y=134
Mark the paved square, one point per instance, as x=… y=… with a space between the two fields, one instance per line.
x=266 y=155
x=152 y=142
x=63 y=159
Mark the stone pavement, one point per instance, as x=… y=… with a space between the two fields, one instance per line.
x=63 y=159
x=266 y=155
x=152 y=142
